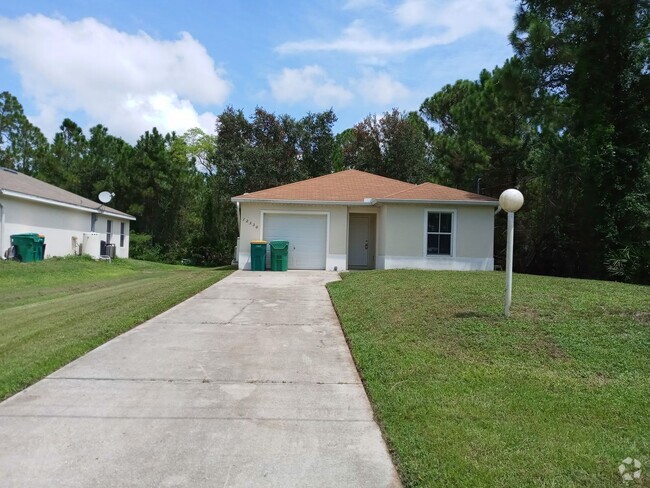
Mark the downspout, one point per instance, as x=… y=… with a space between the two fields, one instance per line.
x=2 y=230
x=235 y=259
x=238 y=218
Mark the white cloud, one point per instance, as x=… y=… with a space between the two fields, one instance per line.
x=308 y=84
x=311 y=84
x=381 y=88
x=128 y=82
x=357 y=39
x=458 y=17
x=450 y=20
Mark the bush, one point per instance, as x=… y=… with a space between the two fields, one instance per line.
x=141 y=246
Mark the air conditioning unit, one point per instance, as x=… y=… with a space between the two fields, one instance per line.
x=110 y=250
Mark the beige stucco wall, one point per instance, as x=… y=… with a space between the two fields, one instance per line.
x=400 y=234
x=100 y=227
x=251 y=229
x=475 y=232
x=381 y=231
x=402 y=237
x=58 y=224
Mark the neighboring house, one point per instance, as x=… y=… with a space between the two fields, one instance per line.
x=357 y=220
x=28 y=205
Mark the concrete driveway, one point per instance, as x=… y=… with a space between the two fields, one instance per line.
x=249 y=383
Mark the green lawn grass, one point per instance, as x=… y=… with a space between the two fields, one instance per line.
x=557 y=395
x=54 y=311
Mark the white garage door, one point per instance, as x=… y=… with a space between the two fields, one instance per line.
x=307 y=236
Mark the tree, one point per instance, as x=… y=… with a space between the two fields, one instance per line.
x=200 y=147
x=483 y=133
x=483 y=129
x=64 y=166
x=591 y=58
x=393 y=145
x=256 y=154
x=272 y=156
x=316 y=143
x=104 y=157
x=233 y=137
x=12 y=120
x=22 y=145
x=343 y=141
x=29 y=149
x=160 y=186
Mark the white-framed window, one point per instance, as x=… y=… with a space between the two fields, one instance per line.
x=122 y=232
x=109 y=231
x=439 y=233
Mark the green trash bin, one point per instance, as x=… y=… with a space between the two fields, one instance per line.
x=41 y=246
x=258 y=255
x=279 y=255
x=29 y=247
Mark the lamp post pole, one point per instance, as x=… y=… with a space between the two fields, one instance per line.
x=510 y=200
x=509 y=248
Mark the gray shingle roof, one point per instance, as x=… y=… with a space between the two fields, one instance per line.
x=13 y=181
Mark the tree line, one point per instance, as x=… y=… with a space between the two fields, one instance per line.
x=565 y=120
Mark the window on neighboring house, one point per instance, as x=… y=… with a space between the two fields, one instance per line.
x=122 y=230
x=439 y=230
x=109 y=231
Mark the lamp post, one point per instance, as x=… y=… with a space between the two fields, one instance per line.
x=510 y=200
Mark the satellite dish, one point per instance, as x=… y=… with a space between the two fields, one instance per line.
x=106 y=196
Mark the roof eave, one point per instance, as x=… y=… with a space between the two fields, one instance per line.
x=491 y=203
x=303 y=202
x=24 y=196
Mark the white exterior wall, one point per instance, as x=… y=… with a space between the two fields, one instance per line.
x=402 y=238
x=100 y=228
x=337 y=231
x=58 y=224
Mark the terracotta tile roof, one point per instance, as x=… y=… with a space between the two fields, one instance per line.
x=433 y=192
x=26 y=185
x=354 y=186
x=345 y=186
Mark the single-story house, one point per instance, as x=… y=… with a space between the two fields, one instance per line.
x=29 y=205
x=357 y=220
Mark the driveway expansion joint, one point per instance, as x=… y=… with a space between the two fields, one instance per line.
x=185 y=418
x=201 y=380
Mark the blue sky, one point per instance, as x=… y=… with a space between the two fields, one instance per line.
x=176 y=65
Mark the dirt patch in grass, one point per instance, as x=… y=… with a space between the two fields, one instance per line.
x=547 y=345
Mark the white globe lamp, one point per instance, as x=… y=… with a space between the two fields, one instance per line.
x=510 y=200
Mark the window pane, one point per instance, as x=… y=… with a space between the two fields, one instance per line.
x=432 y=244
x=433 y=222
x=445 y=222
x=445 y=244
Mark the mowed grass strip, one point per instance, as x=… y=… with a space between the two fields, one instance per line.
x=557 y=395
x=56 y=310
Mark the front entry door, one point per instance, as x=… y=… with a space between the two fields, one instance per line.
x=358 y=246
